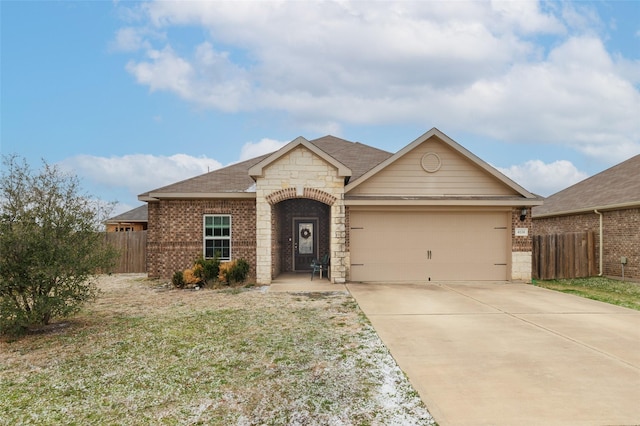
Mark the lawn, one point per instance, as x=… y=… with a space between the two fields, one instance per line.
x=616 y=292
x=145 y=354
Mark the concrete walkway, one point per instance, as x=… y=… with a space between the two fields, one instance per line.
x=510 y=354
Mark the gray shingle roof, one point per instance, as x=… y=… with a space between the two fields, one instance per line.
x=360 y=158
x=616 y=186
x=235 y=178
x=139 y=214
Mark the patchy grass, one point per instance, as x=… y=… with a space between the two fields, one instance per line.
x=607 y=290
x=144 y=354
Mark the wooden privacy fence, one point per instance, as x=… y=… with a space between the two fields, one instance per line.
x=133 y=250
x=570 y=255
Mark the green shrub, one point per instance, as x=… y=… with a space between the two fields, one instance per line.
x=210 y=268
x=178 y=279
x=239 y=271
x=235 y=271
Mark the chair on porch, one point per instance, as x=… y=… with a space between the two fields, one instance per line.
x=319 y=265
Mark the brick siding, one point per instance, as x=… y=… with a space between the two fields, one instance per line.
x=285 y=212
x=175 y=234
x=521 y=244
x=621 y=235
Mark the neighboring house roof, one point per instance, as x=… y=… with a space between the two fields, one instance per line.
x=139 y=214
x=616 y=187
x=234 y=181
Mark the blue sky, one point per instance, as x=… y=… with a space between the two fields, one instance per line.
x=132 y=96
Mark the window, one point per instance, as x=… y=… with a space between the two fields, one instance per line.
x=217 y=237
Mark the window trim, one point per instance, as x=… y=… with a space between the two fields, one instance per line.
x=205 y=238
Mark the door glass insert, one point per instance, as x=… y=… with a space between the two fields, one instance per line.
x=305 y=233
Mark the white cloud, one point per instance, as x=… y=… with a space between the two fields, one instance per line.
x=255 y=149
x=477 y=67
x=129 y=39
x=138 y=173
x=527 y=17
x=165 y=70
x=542 y=178
x=209 y=78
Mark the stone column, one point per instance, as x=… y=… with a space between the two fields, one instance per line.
x=337 y=242
x=521 y=266
x=263 y=239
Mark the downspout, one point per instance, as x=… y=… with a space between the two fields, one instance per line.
x=601 y=242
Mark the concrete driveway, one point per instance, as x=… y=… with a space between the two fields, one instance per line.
x=510 y=354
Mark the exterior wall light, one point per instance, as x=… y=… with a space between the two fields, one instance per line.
x=523 y=214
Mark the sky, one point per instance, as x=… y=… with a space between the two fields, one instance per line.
x=132 y=96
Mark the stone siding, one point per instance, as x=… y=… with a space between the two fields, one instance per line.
x=521 y=266
x=175 y=235
x=297 y=174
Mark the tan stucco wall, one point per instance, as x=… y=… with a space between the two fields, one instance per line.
x=126 y=226
x=303 y=171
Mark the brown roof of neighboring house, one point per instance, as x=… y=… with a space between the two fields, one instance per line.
x=139 y=214
x=616 y=187
x=235 y=178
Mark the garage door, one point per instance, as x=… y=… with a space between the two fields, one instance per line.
x=429 y=246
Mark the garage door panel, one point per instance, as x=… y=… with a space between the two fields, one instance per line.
x=418 y=246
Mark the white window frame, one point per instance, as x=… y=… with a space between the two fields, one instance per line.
x=206 y=237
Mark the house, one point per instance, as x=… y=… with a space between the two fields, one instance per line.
x=608 y=204
x=432 y=211
x=132 y=220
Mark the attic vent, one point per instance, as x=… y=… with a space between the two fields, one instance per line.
x=431 y=162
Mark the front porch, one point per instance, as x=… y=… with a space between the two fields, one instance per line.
x=292 y=282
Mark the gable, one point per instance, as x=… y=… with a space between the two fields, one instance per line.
x=432 y=168
x=258 y=169
x=301 y=166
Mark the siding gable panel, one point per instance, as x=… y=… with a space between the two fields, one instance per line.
x=457 y=176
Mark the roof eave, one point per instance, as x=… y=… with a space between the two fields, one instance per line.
x=441 y=201
x=582 y=210
x=126 y=220
x=155 y=196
